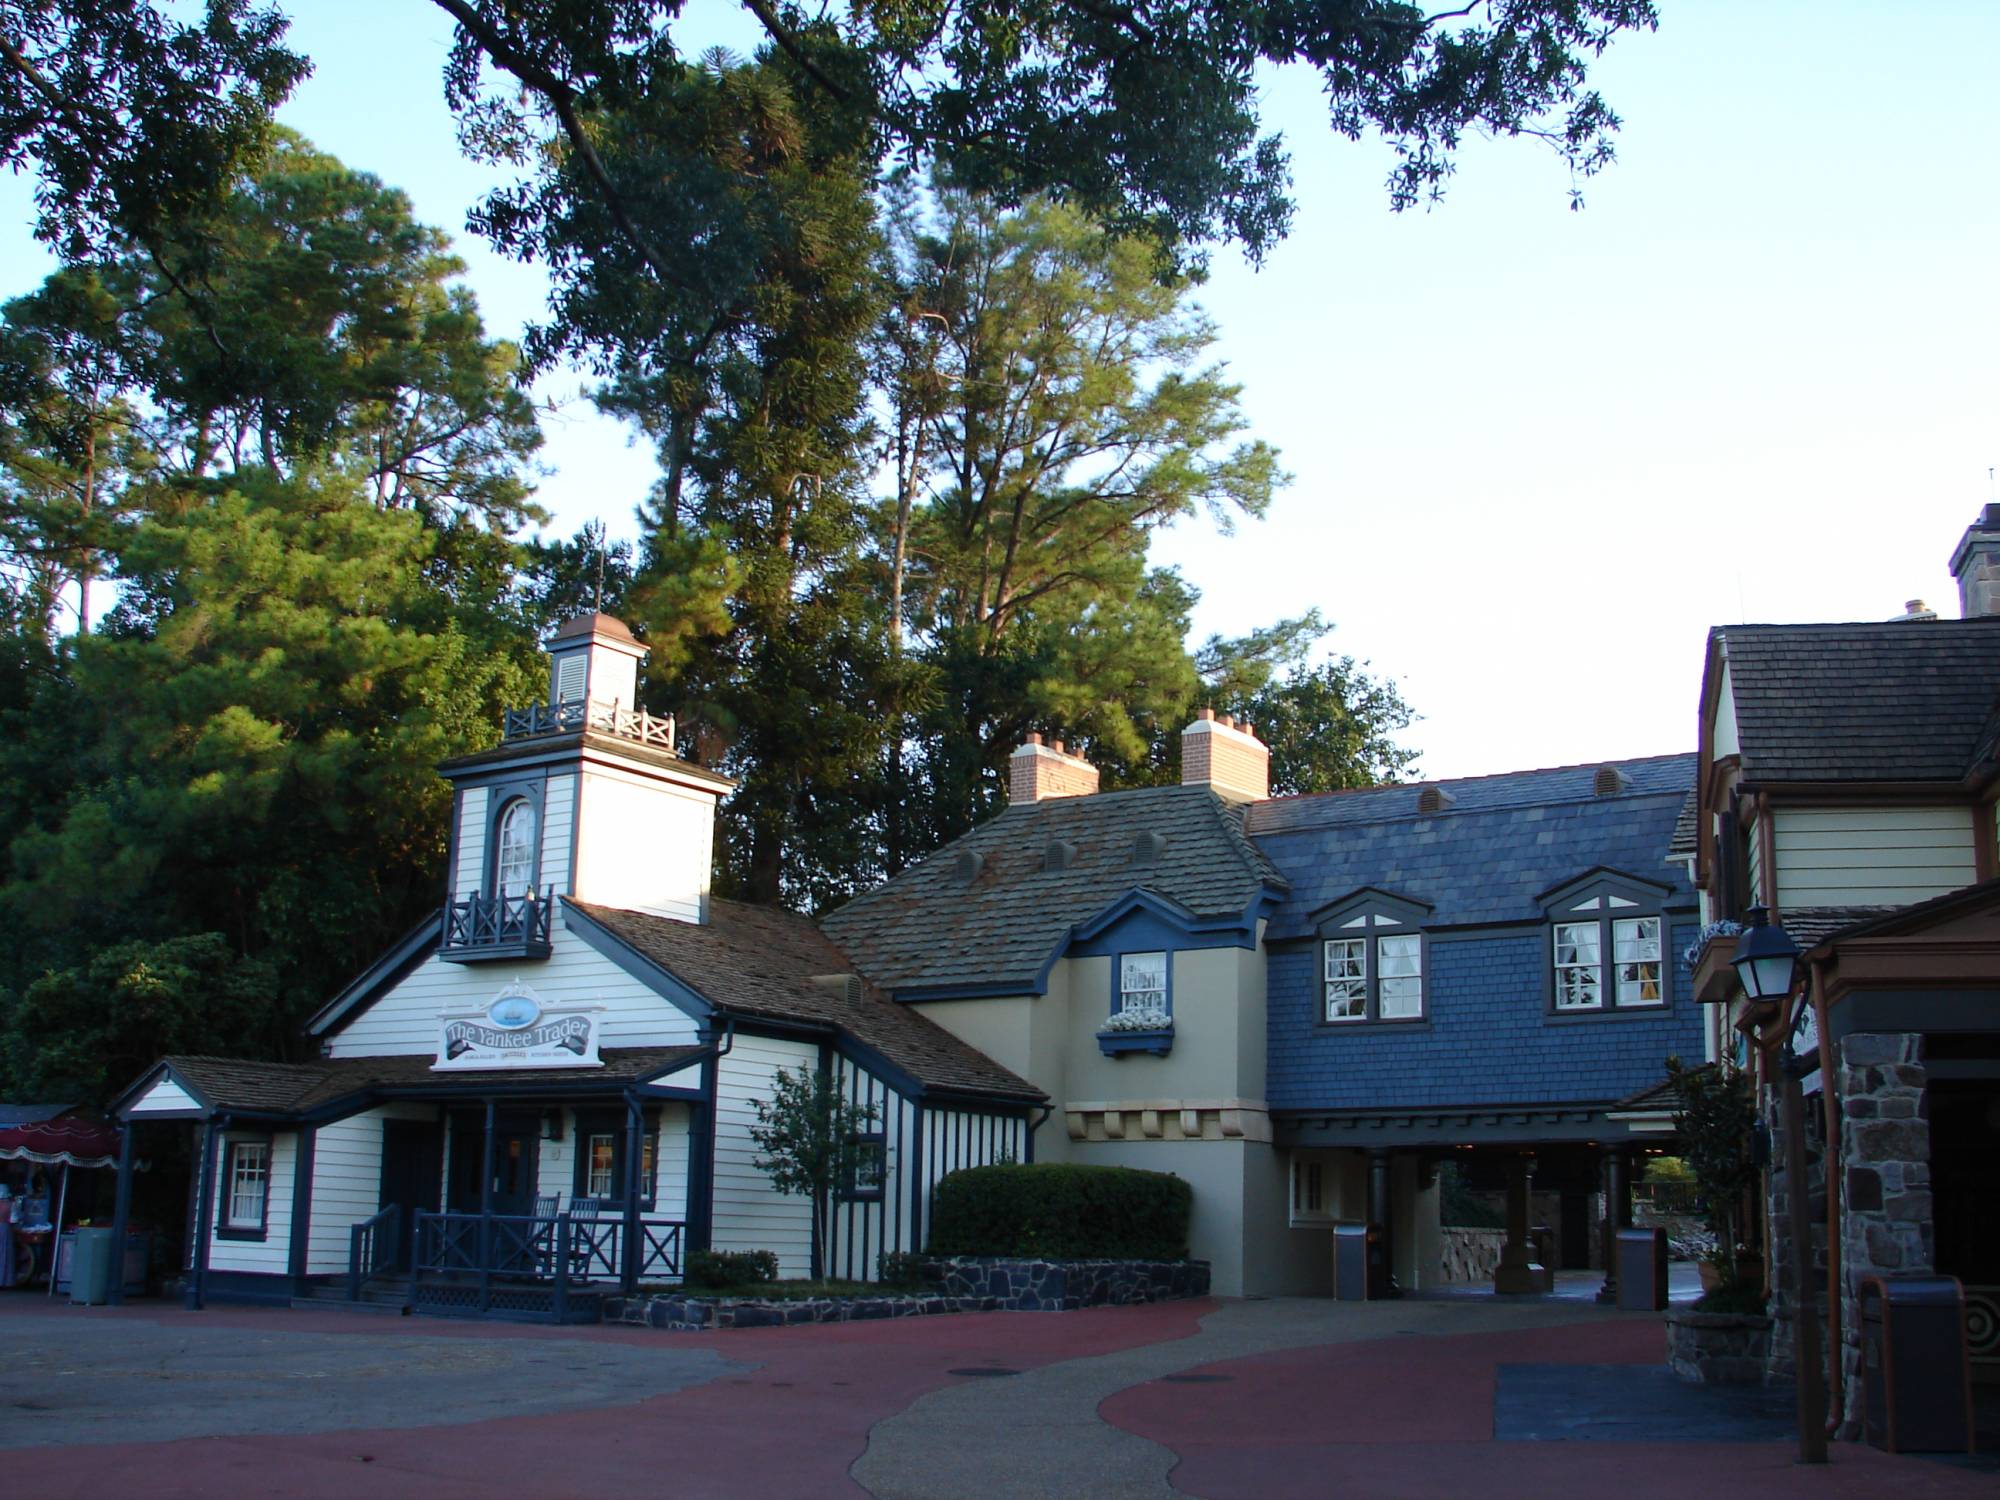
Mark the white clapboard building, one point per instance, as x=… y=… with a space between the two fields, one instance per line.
x=547 y=1089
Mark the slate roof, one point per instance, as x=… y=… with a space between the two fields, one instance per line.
x=31 y=1114
x=1687 y=827
x=756 y=961
x=234 y=1083
x=1810 y=926
x=1488 y=856
x=927 y=927
x=1898 y=700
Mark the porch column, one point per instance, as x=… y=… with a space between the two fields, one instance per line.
x=1617 y=1215
x=628 y=1263
x=486 y=1208
x=204 y=1217
x=1379 y=1210
x=121 y=1213
x=296 y=1259
x=1517 y=1271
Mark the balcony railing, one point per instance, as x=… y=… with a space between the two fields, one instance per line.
x=594 y=715
x=480 y=928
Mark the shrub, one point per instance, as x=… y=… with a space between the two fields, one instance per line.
x=731 y=1267
x=1062 y=1212
x=1733 y=1297
x=901 y=1268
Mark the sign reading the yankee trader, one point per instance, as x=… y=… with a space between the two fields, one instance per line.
x=517 y=1031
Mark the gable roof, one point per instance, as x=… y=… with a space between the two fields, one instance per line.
x=758 y=962
x=1490 y=854
x=1897 y=700
x=930 y=928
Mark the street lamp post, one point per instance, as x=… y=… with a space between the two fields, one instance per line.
x=1767 y=965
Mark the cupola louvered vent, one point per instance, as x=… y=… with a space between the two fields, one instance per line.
x=1058 y=855
x=968 y=867
x=1433 y=799
x=847 y=986
x=1610 y=782
x=1148 y=847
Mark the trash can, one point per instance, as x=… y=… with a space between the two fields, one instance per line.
x=1642 y=1270
x=1357 y=1262
x=93 y=1262
x=1915 y=1372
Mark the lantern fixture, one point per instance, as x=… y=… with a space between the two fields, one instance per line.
x=1767 y=959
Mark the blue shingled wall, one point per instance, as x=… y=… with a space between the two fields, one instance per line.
x=1490 y=1039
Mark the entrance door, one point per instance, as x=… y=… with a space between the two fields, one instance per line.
x=412 y=1166
x=515 y=1143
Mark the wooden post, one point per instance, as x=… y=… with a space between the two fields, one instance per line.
x=204 y=1226
x=486 y=1208
x=1617 y=1216
x=1805 y=1315
x=121 y=1213
x=628 y=1263
x=1381 y=1207
x=1517 y=1271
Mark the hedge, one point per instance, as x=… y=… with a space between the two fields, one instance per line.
x=1059 y=1211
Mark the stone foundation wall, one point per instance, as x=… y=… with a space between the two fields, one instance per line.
x=1471 y=1254
x=688 y=1313
x=1717 y=1348
x=1885 y=1152
x=1058 y=1285
x=1780 y=1366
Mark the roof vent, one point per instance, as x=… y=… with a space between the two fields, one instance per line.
x=1915 y=609
x=1148 y=847
x=1058 y=855
x=847 y=986
x=1610 y=782
x=1434 y=799
x=970 y=863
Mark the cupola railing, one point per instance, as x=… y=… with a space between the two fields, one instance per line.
x=594 y=715
x=478 y=928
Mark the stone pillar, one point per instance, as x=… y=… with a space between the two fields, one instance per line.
x=1617 y=1169
x=1381 y=1213
x=1517 y=1271
x=1885 y=1150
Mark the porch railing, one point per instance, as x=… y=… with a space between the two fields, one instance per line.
x=595 y=714
x=481 y=1254
x=497 y=927
x=372 y=1247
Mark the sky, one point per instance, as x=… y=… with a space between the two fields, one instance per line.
x=1537 y=453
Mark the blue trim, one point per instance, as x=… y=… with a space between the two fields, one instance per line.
x=302 y=1184
x=918 y=994
x=656 y=977
x=1240 y=927
x=1372 y=896
x=1118 y=1043
x=532 y=790
x=410 y=950
x=1117 y=996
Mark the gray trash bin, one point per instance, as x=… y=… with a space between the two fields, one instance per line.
x=1642 y=1270
x=1357 y=1262
x=1915 y=1372
x=93 y=1262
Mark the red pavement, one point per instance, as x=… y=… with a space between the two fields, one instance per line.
x=792 y=1427
x=1413 y=1417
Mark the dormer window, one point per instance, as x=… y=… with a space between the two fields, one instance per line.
x=514 y=862
x=1607 y=946
x=1372 y=956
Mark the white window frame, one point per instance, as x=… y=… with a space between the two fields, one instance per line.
x=1130 y=998
x=1362 y=930
x=247 y=1180
x=1625 y=971
x=514 y=850
x=590 y=1170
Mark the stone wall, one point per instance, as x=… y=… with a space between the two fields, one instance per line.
x=1471 y=1254
x=1780 y=1367
x=1885 y=1152
x=690 y=1312
x=1717 y=1348
x=1059 y=1285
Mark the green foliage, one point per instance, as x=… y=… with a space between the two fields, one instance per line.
x=808 y=1137
x=1717 y=1127
x=731 y=1268
x=901 y=1268
x=1061 y=1211
x=1459 y=1205
x=1732 y=1297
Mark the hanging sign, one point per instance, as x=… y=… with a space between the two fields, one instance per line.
x=517 y=1031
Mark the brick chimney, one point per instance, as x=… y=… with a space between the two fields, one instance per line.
x=1975 y=563
x=1225 y=756
x=1037 y=772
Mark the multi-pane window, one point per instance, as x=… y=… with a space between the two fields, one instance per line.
x=249 y=1184
x=1373 y=975
x=1606 y=955
x=1142 y=981
x=514 y=869
x=601 y=1166
x=1308 y=1188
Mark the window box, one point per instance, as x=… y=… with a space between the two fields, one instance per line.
x=1714 y=969
x=1158 y=1040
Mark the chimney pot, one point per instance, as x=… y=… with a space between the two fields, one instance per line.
x=1034 y=738
x=1205 y=713
x=1057 y=746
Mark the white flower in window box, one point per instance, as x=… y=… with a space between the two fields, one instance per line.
x=1140 y=1018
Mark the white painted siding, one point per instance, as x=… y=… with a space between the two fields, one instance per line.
x=670 y=1190
x=864 y=1229
x=163 y=1097
x=471 y=842
x=347 y=1181
x=1868 y=856
x=558 y=824
x=1725 y=739
x=272 y=1254
x=643 y=845
x=749 y=1213
x=404 y=1022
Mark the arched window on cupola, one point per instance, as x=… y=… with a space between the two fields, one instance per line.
x=514 y=863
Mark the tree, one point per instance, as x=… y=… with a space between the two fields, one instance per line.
x=812 y=1144
x=1717 y=1126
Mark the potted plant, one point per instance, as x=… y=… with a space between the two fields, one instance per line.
x=1137 y=1028
x=1724 y=1336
